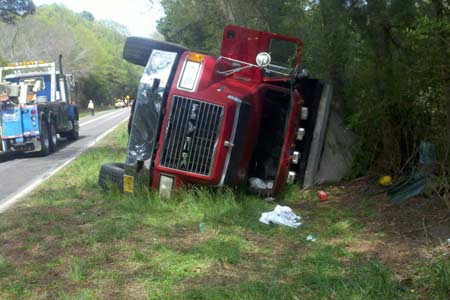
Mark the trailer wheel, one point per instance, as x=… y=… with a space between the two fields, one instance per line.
x=111 y=175
x=44 y=138
x=74 y=133
x=53 y=138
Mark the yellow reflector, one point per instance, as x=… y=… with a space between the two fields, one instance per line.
x=195 y=57
x=128 y=184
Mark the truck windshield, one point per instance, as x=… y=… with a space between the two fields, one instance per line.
x=283 y=55
x=37 y=81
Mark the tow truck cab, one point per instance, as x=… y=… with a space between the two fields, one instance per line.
x=228 y=120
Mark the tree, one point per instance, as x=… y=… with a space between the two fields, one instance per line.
x=31 y=42
x=92 y=50
x=119 y=28
x=199 y=24
x=10 y=10
x=87 y=15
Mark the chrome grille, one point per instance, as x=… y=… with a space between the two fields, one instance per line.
x=191 y=136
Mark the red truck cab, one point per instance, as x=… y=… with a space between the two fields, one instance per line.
x=205 y=120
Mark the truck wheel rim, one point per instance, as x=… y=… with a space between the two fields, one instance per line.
x=54 y=137
x=45 y=141
x=75 y=128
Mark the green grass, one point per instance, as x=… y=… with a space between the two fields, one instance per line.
x=69 y=240
x=77 y=270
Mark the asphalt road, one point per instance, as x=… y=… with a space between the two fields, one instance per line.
x=21 y=173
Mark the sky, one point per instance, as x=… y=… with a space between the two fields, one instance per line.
x=139 y=16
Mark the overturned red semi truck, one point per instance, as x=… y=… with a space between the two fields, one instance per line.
x=243 y=118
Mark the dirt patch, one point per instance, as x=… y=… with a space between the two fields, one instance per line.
x=399 y=235
x=216 y=278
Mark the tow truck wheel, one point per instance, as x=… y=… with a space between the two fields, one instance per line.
x=111 y=175
x=44 y=139
x=53 y=137
x=75 y=132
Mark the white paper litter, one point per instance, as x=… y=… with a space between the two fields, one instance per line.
x=282 y=215
x=311 y=238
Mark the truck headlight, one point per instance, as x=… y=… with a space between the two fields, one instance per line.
x=165 y=186
x=190 y=73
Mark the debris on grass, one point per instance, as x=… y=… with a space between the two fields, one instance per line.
x=202 y=227
x=385 y=180
x=311 y=238
x=323 y=196
x=269 y=199
x=257 y=183
x=282 y=215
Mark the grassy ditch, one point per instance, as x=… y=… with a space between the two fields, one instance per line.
x=68 y=240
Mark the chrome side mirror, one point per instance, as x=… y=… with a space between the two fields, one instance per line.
x=263 y=59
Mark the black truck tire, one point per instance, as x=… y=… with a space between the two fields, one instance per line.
x=137 y=49
x=111 y=174
x=53 y=138
x=74 y=133
x=44 y=138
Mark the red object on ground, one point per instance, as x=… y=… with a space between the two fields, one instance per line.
x=322 y=195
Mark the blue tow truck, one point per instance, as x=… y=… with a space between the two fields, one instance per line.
x=35 y=106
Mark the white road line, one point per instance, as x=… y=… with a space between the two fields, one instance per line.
x=100 y=113
x=115 y=113
x=13 y=199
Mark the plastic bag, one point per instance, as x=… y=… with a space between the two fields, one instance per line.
x=282 y=215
